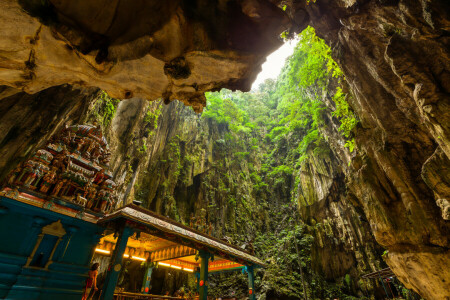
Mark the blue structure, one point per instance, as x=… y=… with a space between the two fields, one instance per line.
x=43 y=254
x=48 y=216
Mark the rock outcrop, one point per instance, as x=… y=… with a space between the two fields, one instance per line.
x=395 y=58
x=151 y=49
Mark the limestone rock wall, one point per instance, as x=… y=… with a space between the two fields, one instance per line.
x=395 y=58
x=149 y=49
x=188 y=167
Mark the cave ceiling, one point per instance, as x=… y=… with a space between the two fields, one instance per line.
x=148 y=49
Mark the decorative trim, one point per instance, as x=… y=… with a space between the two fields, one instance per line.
x=55 y=229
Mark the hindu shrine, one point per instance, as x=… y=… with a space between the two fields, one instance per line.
x=71 y=170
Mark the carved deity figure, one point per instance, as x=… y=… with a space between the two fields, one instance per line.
x=91 y=191
x=79 y=145
x=48 y=180
x=35 y=173
x=96 y=152
x=91 y=145
x=106 y=158
x=66 y=136
x=91 y=197
x=100 y=177
x=61 y=160
x=58 y=187
x=14 y=175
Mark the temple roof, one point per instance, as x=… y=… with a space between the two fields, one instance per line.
x=172 y=230
x=85 y=130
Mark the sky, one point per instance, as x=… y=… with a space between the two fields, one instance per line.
x=275 y=61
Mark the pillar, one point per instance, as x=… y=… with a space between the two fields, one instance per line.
x=147 y=278
x=203 y=283
x=116 y=264
x=251 y=283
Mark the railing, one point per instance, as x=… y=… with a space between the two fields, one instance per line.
x=132 y=296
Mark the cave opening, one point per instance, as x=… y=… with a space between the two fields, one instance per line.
x=333 y=166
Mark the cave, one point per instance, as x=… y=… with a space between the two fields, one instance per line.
x=358 y=199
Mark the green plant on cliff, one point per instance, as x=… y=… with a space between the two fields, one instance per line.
x=151 y=117
x=346 y=116
x=106 y=108
x=244 y=165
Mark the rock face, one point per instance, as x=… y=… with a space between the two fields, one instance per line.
x=189 y=166
x=151 y=49
x=396 y=60
x=395 y=56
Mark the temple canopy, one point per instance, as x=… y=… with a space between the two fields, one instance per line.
x=171 y=243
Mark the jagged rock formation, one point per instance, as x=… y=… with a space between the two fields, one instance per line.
x=151 y=49
x=396 y=60
x=394 y=55
x=188 y=167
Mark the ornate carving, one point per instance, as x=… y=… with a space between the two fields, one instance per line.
x=73 y=166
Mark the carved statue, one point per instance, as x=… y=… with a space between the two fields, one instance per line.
x=95 y=154
x=61 y=160
x=80 y=145
x=100 y=177
x=35 y=173
x=106 y=158
x=58 y=187
x=67 y=136
x=91 y=192
x=91 y=145
x=14 y=175
x=48 y=180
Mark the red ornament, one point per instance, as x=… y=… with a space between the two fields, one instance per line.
x=146 y=289
x=201 y=282
x=250 y=291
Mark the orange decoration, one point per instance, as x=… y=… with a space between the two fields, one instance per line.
x=201 y=282
x=250 y=291
x=146 y=289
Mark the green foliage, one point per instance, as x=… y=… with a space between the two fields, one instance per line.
x=106 y=108
x=281 y=170
x=346 y=116
x=151 y=118
x=261 y=140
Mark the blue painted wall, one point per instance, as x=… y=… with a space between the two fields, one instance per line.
x=20 y=225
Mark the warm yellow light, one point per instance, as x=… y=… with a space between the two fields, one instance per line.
x=138 y=258
x=175 y=267
x=188 y=270
x=163 y=264
x=102 y=251
x=126 y=255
